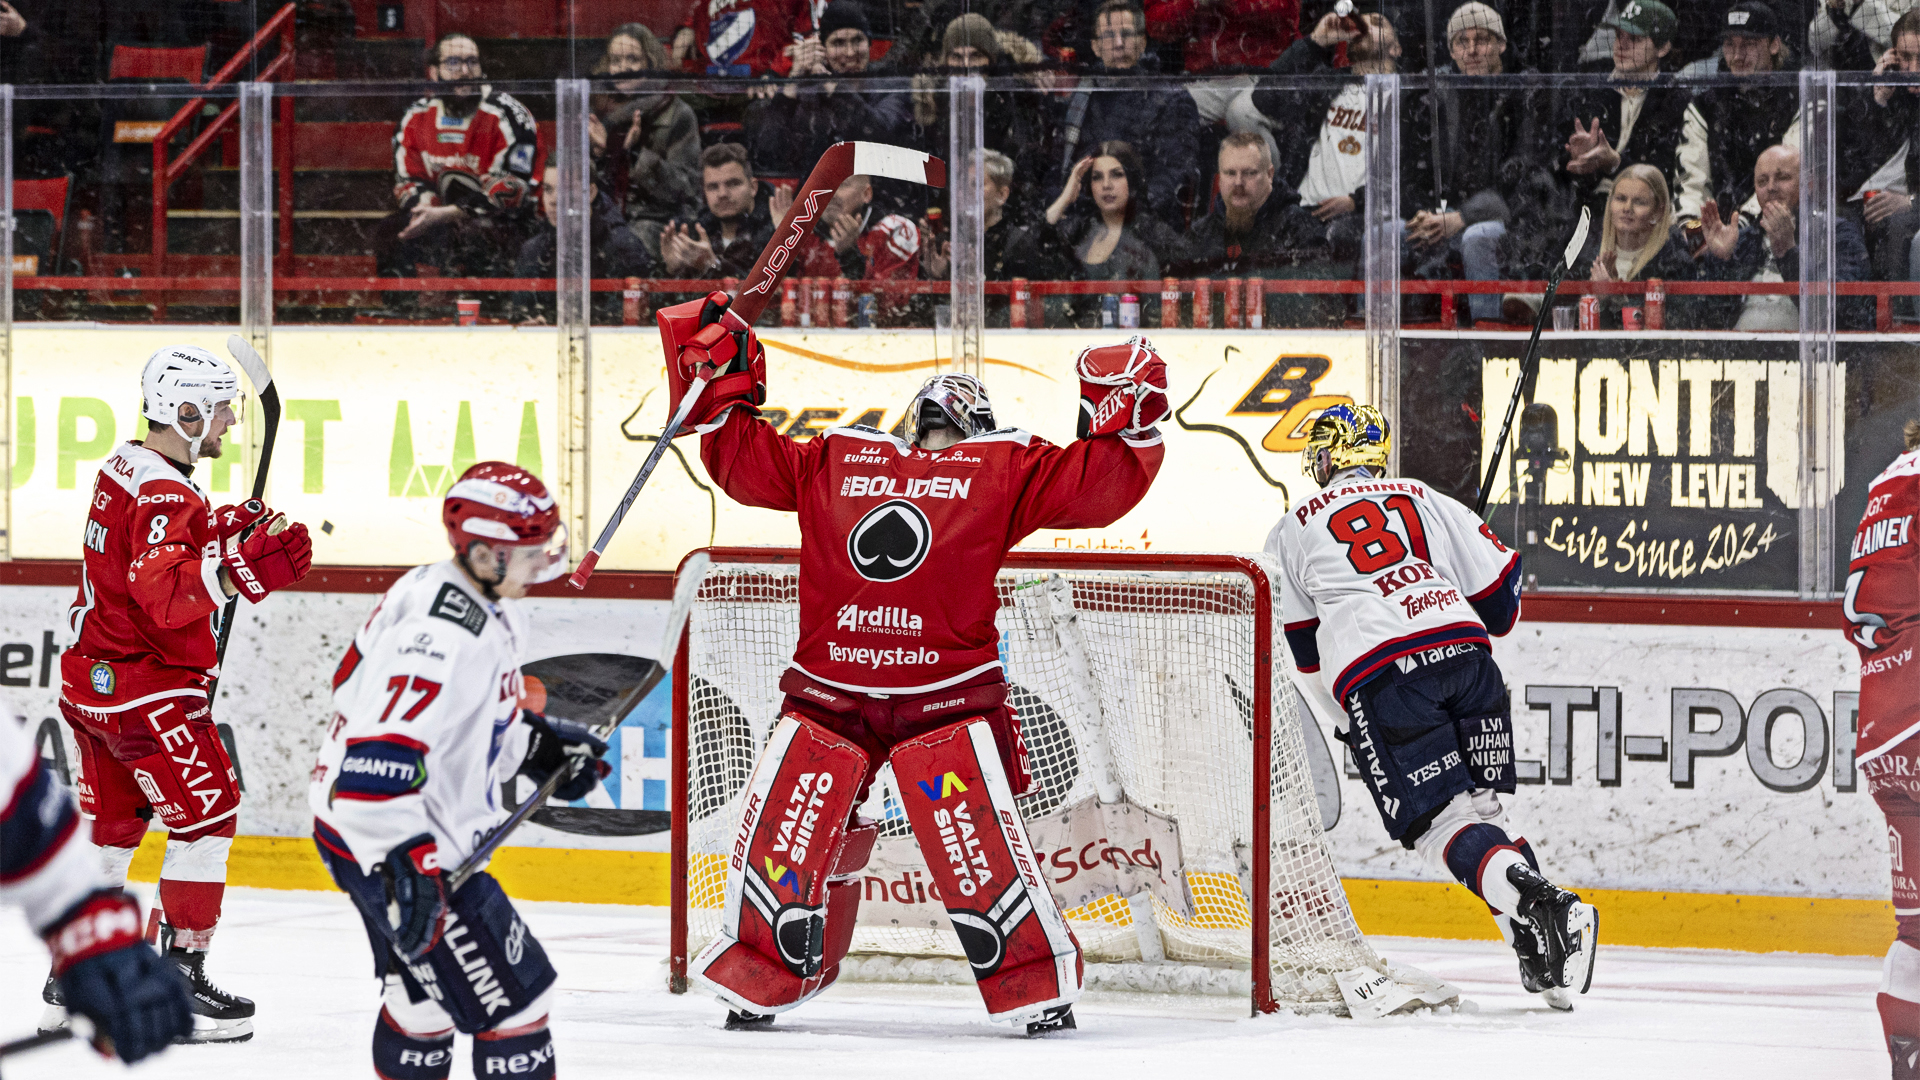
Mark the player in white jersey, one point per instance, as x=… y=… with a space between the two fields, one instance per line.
x=427 y=725
x=1389 y=591
x=137 y=1002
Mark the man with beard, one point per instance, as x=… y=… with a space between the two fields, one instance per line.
x=1258 y=230
x=467 y=167
x=727 y=237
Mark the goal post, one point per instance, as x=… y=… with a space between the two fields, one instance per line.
x=1172 y=803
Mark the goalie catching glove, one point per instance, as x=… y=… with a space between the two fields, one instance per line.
x=275 y=555
x=1123 y=389
x=705 y=338
x=554 y=746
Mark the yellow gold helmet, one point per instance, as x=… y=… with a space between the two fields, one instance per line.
x=1343 y=437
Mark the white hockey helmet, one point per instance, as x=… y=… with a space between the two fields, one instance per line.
x=954 y=400
x=178 y=375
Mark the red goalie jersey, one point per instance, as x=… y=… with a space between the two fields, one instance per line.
x=902 y=545
x=1883 y=608
x=150 y=576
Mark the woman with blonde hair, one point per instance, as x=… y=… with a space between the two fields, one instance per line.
x=1639 y=242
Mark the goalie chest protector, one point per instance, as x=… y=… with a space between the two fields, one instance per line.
x=901 y=546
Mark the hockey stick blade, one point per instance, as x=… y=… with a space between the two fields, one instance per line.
x=1574 y=245
x=250 y=362
x=841 y=161
x=592 y=557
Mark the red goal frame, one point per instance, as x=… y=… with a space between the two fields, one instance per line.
x=1025 y=559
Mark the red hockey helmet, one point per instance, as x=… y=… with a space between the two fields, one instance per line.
x=507 y=508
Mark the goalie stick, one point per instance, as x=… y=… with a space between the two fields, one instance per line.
x=841 y=161
x=684 y=591
x=1578 y=241
x=262 y=380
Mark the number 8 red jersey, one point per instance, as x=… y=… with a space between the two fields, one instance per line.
x=1374 y=570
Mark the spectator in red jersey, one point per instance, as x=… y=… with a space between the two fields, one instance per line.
x=745 y=38
x=861 y=242
x=1213 y=35
x=467 y=166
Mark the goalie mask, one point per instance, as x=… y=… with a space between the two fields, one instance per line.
x=1346 y=436
x=955 y=401
x=187 y=377
x=508 y=509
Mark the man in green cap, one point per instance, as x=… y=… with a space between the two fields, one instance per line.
x=1631 y=123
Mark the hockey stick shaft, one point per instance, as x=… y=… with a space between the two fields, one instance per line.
x=592 y=558
x=34 y=1042
x=685 y=590
x=264 y=386
x=1532 y=356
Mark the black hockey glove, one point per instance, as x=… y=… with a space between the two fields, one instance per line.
x=416 y=896
x=555 y=746
x=137 y=1000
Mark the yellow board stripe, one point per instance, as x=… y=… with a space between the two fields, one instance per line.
x=1400 y=908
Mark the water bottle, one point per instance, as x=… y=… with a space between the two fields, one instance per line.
x=1109 y=312
x=1129 y=311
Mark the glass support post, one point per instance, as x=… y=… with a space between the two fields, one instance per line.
x=965 y=194
x=256 y=237
x=1821 y=376
x=1382 y=249
x=6 y=321
x=572 y=301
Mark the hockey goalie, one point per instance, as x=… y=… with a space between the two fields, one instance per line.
x=898 y=661
x=1391 y=589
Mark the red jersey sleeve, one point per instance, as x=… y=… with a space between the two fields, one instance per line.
x=1088 y=485
x=412 y=180
x=756 y=465
x=170 y=577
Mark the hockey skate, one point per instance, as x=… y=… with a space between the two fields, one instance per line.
x=1058 y=1018
x=1567 y=929
x=54 y=1017
x=742 y=1020
x=1535 y=977
x=218 y=1017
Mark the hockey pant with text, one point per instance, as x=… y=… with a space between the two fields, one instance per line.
x=1428 y=727
x=793 y=876
x=1024 y=956
x=151 y=750
x=488 y=977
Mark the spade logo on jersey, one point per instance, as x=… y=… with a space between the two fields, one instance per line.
x=890 y=542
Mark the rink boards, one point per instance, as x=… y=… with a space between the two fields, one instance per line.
x=1699 y=777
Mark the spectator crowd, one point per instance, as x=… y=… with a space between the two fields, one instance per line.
x=1138 y=140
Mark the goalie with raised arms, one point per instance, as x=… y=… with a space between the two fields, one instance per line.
x=898 y=661
x=1389 y=591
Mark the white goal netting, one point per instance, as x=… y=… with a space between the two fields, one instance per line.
x=1170 y=711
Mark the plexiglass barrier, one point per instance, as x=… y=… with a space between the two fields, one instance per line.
x=453 y=247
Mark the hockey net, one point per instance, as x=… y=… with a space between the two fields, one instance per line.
x=1190 y=708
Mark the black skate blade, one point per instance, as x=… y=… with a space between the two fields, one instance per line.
x=741 y=1020
x=1051 y=1021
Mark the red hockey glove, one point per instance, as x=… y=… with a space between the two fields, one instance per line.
x=232 y=519
x=705 y=334
x=1123 y=388
x=272 y=558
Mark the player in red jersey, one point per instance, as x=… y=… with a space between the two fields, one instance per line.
x=899 y=661
x=158 y=564
x=1883 y=609
x=467 y=170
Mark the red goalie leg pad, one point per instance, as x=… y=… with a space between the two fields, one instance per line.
x=770 y=954
x=1023 y=954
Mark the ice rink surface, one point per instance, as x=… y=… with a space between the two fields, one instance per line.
x=303 y=958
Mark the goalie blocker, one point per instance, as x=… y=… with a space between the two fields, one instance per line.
x=793 y=888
